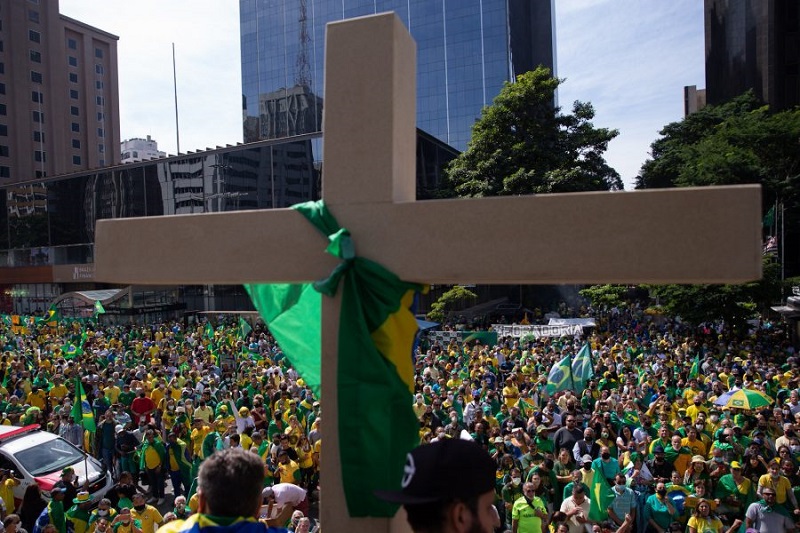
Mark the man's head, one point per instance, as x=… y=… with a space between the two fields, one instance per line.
x=448 y=485
x=229 y=483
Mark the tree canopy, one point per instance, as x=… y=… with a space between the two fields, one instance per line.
x=523 y=144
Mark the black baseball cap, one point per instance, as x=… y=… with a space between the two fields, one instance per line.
x=449 y=469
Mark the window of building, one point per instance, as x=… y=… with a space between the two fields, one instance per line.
x=102 y=162
x=2 y=68
x=73 y=77
x=34 y=36
x=98 y=69
x=135 y=153
x=3 y=110
x=4 y=152
x=100 y=100
x=33 y=16
x=76 y=143
x=36 y=56
x=5 y=172
x=38 y=116
x=38 y=136
x=1 y=46
x=76 y=160
x=37 y=97
x=36 y=77
x=73 y=93
x=98 y=84
x=39 y=156
x=101 y=148
x=76 y=127
x=100 y=132
x=72 y=44
x=73 y=61
x=2 y=88
x=98 y=53
x=100 y=116
x=74 y=111
x=3 y=130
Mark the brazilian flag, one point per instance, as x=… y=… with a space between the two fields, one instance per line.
x=601 y=497
x=82 y=409
x=560 y=376
x=377 y=328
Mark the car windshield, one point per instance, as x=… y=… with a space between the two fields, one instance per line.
x=48 y=457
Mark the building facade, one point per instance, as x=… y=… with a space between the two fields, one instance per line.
x=466 y=50
x=59 y=96
x=47 y=226
x=753 y=44
x=135 y=150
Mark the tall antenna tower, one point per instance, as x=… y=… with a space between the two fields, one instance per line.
x=303 y=69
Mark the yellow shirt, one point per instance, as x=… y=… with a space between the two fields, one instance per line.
x=57 y=393
x=781 y=487
x=287 y=472
x=151 y=458
x=7 y=493
x=511 y=395
x=697 y=447
x=198 y=435
x=37 y=399
x=149 y=518
x=112 y=393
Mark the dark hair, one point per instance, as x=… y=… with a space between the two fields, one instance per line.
x=430 y=516
x=231 y=481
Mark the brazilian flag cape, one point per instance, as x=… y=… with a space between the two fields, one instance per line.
x=377 y=330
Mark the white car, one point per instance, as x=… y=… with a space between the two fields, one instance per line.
x=37 y=456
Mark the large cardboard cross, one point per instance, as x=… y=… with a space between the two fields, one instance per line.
x=669 y=236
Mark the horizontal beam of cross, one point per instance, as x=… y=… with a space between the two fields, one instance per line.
x=636 y=237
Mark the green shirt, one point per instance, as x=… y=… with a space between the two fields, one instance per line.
x=524 y=513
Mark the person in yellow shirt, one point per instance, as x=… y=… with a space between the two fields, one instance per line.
x=698 y=406
x=57 y=392
x=287 y=471
x=7 y=484
x=37 y=398
x=780 y=484
x=510 y=392
x=146 y=514
x=112 y=391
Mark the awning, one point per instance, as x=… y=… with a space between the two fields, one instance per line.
x=105 y=296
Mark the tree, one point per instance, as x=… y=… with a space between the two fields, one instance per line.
x=522 y=144
x=737 y=142
x=605 y=295
x=441 y=307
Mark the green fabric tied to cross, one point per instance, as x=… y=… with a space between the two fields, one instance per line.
x=377 y=426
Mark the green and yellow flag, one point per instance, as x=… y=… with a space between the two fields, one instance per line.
x=82 y=409
x=560 y=376
x=377 y=426
x=694 y=372
x=600 y=498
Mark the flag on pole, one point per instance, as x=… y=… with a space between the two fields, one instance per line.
x=771 y=246
x=694 y=371
x=560 y=376
x=98 y=308
x=600 y=498
x=582 y=370
x=244 y=327
x=377 y=329
x=769 y=218
x=82 y=410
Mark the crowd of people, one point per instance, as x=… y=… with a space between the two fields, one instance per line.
x=644 y=445
x=164 y=398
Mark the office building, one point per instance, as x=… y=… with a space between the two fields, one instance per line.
x=135 y=150
x=466 y=50
x=59 y=98
x=753 y=44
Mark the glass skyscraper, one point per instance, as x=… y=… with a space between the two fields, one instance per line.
x=466 y=50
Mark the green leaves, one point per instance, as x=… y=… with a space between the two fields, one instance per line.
x=522 y=144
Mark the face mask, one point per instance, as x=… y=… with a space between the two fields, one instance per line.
x=516 y=480
x=775 y=475
x=661 y=492
x=795 y=449
x=604 y=435
x=620 y=488
x=587 y=467
x=102 y=512
x=714 y=418
x=699 y=427
x=606 y=456
x=507 y=442
x=139 y=508
x=719 y=459
x=588 y=439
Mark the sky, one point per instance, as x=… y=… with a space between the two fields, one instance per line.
x=629 y=58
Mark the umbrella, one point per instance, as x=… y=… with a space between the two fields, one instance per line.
x=722 y=400
x=748 y=399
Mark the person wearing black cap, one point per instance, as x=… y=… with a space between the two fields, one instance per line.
x=448 y=487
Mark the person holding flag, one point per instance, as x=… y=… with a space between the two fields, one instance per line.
x=82 y=413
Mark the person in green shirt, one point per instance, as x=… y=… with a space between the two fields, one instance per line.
x=126 y=397
x=79 y=513
x=528 y=512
